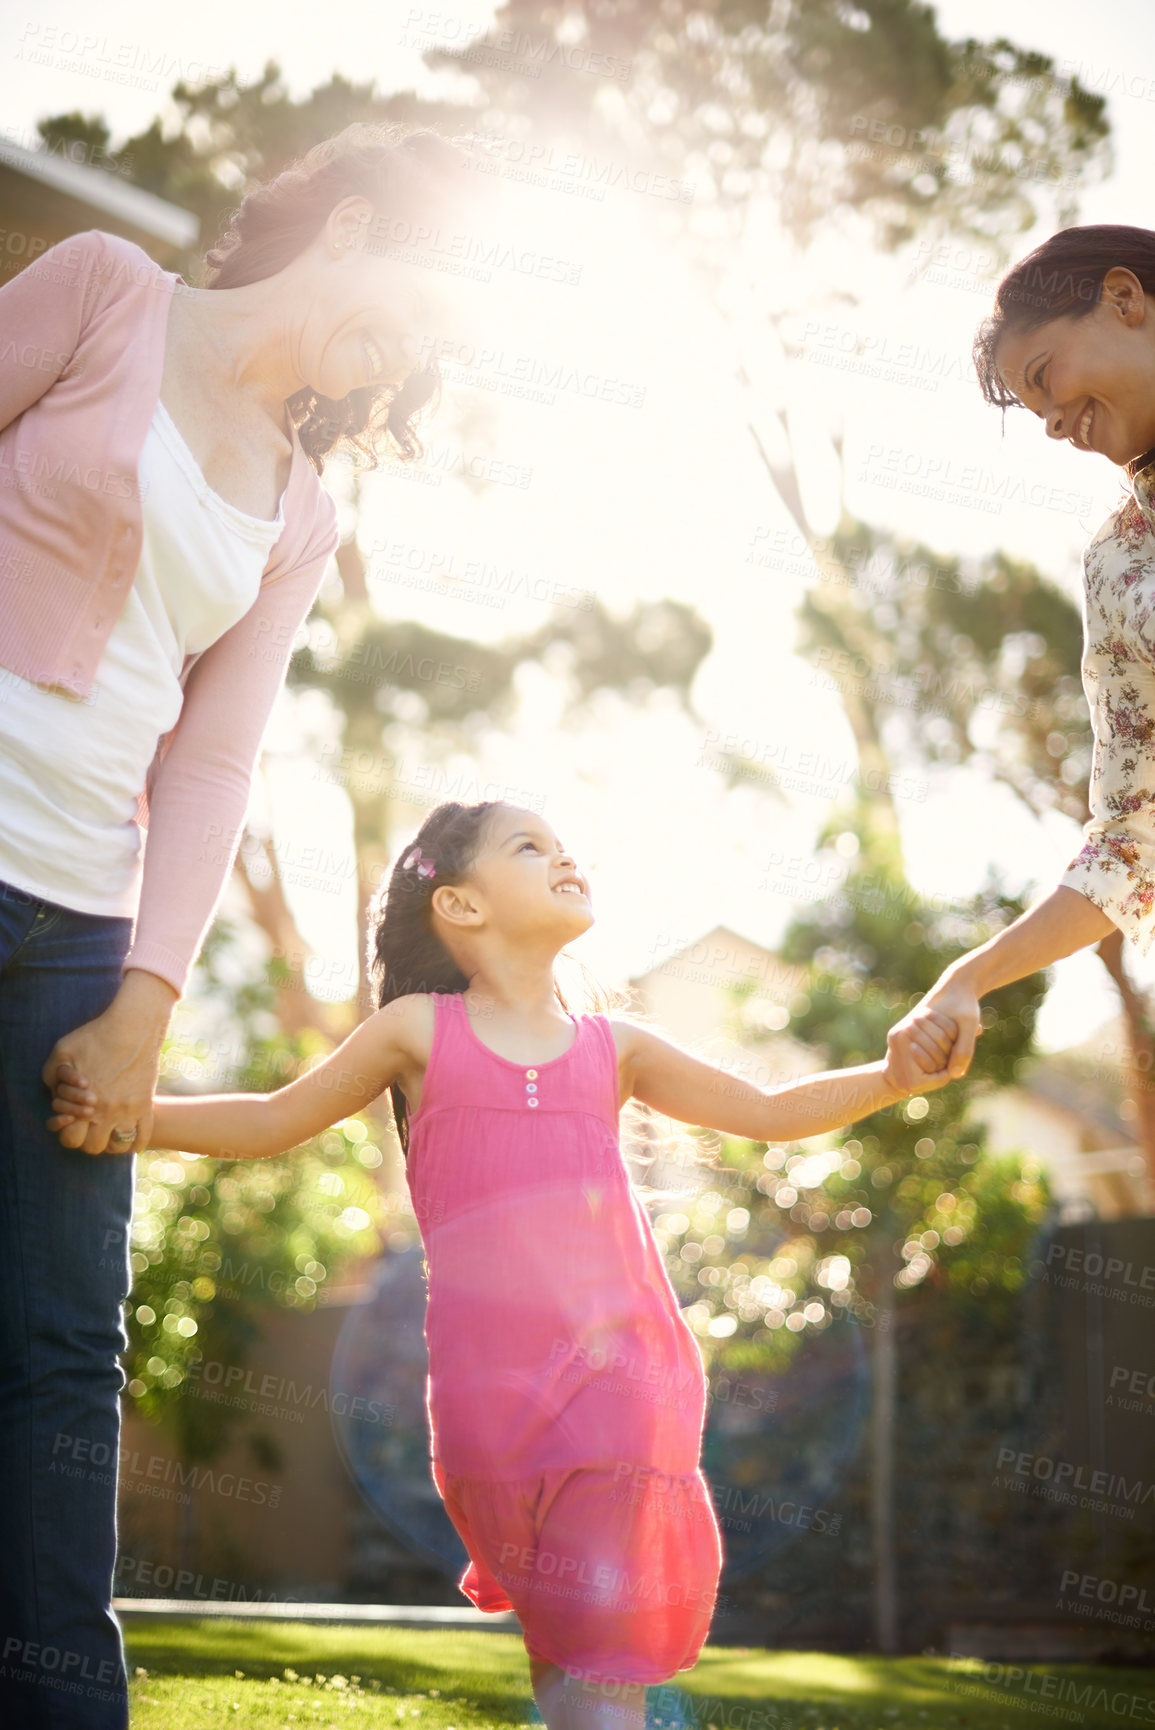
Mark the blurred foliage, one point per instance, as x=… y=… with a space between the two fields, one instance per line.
x=837 y=112
x=215 y=1242
x=407 y=696
x=833 y=110
x=974 y=662
x=382 y=670
x=789 y=1239
x=79 y=137
x=230 y=134
x=944 y=662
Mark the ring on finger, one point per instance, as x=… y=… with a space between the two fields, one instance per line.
x=123 y=1137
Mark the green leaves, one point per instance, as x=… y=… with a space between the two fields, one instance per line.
x=215 y=1243
x=791 y=1240
x=978 y=666
x=837 y=113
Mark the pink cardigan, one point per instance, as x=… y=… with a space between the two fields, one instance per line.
x=82 y=342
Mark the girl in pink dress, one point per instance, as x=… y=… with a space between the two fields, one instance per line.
x=566 y=1395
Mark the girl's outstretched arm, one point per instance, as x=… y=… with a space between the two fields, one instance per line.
x=391 y=1046
x=683 y=1087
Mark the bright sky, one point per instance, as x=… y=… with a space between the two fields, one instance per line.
x=658 y=492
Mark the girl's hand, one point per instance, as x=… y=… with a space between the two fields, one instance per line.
x=919 y=1048
x=897 y=1078
x=72 y=1097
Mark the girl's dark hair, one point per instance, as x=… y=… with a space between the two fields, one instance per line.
x=1062 y=278
x=405 y=953
x=399 y=173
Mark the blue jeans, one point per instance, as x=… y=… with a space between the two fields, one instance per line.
x=64 y=1276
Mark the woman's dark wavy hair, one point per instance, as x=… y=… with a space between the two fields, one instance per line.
x=396 y=171
x=1062 y=278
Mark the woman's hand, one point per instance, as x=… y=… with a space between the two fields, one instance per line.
x=939 y=1031
x=1055 y=927
x=103 y=1074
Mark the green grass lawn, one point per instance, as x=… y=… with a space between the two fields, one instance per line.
x=289 y=1676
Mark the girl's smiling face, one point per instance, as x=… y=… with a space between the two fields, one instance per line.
x=1091 y=380
x=526 y=881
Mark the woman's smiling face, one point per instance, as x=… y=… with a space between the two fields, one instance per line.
x=1091 y=380
x=374 y=316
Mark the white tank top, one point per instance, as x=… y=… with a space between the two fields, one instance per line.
x=72 y=768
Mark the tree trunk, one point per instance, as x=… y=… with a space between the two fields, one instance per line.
x=370 y=845
x=295 y=1009
x=882 y=1433
x=1140 y=1057
x=186 y=1542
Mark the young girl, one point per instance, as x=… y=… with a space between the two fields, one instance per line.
x=566 y=1394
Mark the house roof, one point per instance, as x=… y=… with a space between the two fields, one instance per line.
x=718 y=934
x=53 y=197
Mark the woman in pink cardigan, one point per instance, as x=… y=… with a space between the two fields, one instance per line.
x=163 y=533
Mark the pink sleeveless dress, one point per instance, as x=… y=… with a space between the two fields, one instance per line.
x=566 y=1395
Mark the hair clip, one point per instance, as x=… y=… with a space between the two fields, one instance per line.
x=425 y=866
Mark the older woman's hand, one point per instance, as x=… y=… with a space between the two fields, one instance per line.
x=940 y=1031
x=109 y=1066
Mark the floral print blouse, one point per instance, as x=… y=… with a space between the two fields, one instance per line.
x=1116 y=867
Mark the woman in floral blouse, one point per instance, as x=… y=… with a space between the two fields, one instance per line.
x=1072 y=339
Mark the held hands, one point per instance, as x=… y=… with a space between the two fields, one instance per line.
x=917 y=1053
x=73 y=1100
x=937 y=1037
x=102 y=1075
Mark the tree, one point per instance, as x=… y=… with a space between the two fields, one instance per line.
x=375 y=672
x=908 y=1210
x=835 y=113
x=806 y=136
x=924 y=1202
x=978 y=665
x=217 y=1244
x=231 y=134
